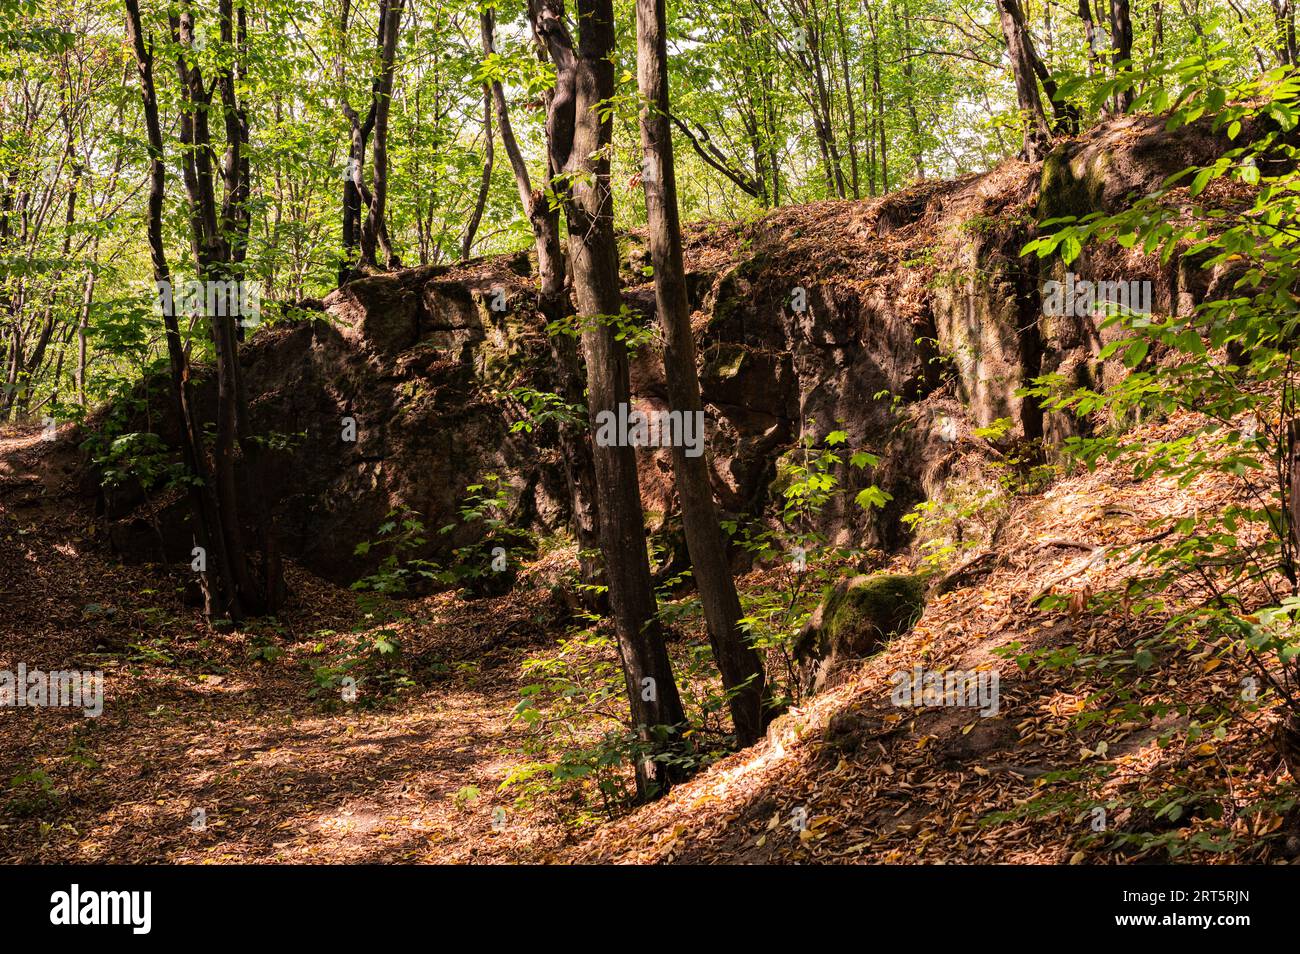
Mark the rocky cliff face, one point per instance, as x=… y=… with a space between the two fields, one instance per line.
x=906 y=321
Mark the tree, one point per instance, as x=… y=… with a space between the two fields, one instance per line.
x=368 y=232
x=578 y=134
x=218 y=234
x=1020 y=47
x=742 y=672
x=374 y=233
x=485 y=185
x=553 y=301
x=218 y=586
x=1121 y=41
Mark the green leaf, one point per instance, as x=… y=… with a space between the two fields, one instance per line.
x=872 y=496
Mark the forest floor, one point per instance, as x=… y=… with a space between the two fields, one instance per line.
x=190 y=722
x=197 y=718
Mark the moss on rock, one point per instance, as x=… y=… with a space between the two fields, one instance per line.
x=856 y=618
x=1071 y=186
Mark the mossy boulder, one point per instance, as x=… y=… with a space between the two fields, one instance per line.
x=1073 y=183
x=854 y=620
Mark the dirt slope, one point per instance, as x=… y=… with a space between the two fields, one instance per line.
x=196 y=724
x=880 y=783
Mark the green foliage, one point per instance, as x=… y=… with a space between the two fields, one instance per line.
x=1223 y=583
x=809 y=479
x=629 y=327
x=772 y=104
x=498 y=545
x=367 y=666
x=544 y=408
x=33 y=793
x=401 y=534
x=1229 y=364
x=581 y=745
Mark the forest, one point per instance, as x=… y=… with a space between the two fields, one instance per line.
x=649 y=432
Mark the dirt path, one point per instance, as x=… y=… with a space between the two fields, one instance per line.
x=203 y=755
x=275 y=784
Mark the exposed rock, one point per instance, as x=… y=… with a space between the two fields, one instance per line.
x=904 y=321
x=854 y=620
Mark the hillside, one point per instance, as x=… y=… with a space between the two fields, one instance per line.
x=917 y=307
x=190 y=722
x=919 y=322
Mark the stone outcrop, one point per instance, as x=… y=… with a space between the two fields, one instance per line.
x=905 y=321
x=853 y=621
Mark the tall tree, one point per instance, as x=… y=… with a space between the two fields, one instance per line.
x=578 y=132
x=374 y=232
x=553 y=301
x=1024 y=64
x=216 y=580
x=365 y=220
x=742 y=672
x=1121 y=41
x=218 y=238
x=485 y=184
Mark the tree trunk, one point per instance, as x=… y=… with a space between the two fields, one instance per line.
x=841 y=43
x=742 y=672
x=356 y=196
x=204 y=511
x=218 y=237
x=1023 y=59
x=877 y=127
x=1291 y=550
x=485 y=184
x=579 y=139
x=374 y=234
x=903 y=23
x=1090 y=35
x=553 y=302
x=1121 y=40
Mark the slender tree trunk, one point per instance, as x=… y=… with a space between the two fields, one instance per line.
x=842 y=42
x=356 y=197
x=1020 y=48
x=217 y=595
x=1091 y=37
x=878 y=107
x=742 y=672
x=553 y=302
x=87 y=297
x=1121 y=40
x=485 y=183
x=1157 y=31
x=212 y=243
x=354 y=191
x=903 y=22
x=579 y=139
x=374 y=234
